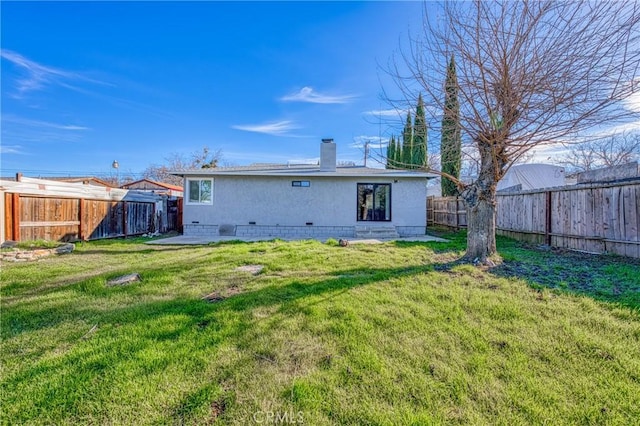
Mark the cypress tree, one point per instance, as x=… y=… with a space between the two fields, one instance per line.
x=397 y=159
x=420 y=136
x=391 y=153
x=407 y=144
x=450 y=144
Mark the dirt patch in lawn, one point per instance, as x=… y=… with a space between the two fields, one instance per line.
x=235 y=283
x=220 y=295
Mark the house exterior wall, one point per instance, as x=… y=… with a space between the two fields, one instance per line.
x=256 y=205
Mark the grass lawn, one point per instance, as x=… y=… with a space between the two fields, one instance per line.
x=390 y=334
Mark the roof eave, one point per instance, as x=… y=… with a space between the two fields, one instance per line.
x=301 y=173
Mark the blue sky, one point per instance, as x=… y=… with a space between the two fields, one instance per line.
x=86 y=83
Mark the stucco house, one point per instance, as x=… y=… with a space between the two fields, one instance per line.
x=318 y=201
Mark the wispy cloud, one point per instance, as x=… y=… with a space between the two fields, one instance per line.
x=10 y=149
x=633 y=101
x=308 y=94
x=19 y=130
x=278 y=128
x=38 y=76
x=387 y=113
x=41 y=124
x=547 y=153
x=632 y=105
x=374 y=142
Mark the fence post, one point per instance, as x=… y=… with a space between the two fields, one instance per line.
x=547 y=225
x=15 y=212
x=124 y=218
x=180 y=211
x=81 y=209
x=457 y=213
x=153 y=221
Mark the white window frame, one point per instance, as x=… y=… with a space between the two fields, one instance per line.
x=188 y=192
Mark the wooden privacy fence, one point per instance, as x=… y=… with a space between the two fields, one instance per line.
x=39 y=209
x=447 y=211
x=34 y=218
x=598 y=218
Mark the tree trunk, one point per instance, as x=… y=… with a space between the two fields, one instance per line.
x=481 y=228
x=480 y=200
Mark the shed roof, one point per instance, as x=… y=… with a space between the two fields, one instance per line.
x=304 y=170
x=57 y=188
x=88 y=180
x=153 y=182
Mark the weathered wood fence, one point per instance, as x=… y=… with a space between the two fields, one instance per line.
x=38 y=209
x=34 y=218
x=598 y=218
x=447 y=211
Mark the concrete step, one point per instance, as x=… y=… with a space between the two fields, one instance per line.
x=376 y=232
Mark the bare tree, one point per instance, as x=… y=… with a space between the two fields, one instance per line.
x=204 y=159
x=612 y=151
x=529 y=73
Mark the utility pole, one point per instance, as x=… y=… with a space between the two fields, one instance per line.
x=366 y=152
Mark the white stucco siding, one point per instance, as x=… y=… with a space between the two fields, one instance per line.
x=328 y=201
x=409 y=202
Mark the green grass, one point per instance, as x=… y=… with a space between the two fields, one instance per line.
x=399 y=333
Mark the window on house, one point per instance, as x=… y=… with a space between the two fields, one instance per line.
x=302 y=183
x=374 y=202
x=200 y=191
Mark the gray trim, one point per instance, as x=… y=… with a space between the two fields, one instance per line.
x=411 y=231
x=247 y=231
x=307 y=171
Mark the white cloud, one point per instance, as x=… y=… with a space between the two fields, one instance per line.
x=38 y=76
x=631 y=104
x=387 y=113
x=42 y=124
x=10 y=149
x=548 y=153
x=19 y=130
x=278 y=128
x=633 y=101
x=307 y=94
x=374 y=142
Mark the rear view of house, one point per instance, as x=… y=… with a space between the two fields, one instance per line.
x=319 y=201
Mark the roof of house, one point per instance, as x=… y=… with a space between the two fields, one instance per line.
x=88 y=180
x=153 y=182
x=303 y=170
x=58 y=188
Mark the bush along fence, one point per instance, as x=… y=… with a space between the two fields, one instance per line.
x=37 y=209
x=596 y=217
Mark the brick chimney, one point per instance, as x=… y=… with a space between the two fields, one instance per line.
x=327 y=156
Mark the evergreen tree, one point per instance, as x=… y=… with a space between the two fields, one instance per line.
x=450 y=144
x=391 y=153
x=398 y=154
x=407 y=144
x=419 y=159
